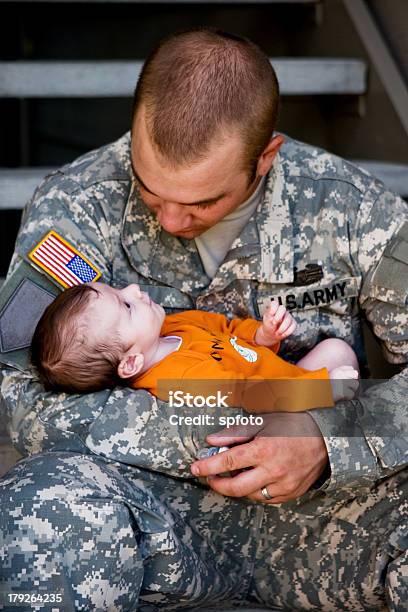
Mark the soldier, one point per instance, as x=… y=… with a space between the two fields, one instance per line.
x=206 y=207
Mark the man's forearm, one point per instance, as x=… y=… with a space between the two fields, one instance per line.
x=124 y=425
x=366 y=438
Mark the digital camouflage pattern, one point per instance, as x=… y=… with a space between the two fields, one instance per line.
x=112 y=517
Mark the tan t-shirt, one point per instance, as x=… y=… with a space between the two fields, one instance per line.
x=213 y=244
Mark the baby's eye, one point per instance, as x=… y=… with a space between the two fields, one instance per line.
x=128 y=305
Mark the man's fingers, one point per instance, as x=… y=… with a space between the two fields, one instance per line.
x=228 y=439
x=236 y=458
x=281 y=491
x=250 y=483
x=242 y=485
x=278 y=499
x=233 y=435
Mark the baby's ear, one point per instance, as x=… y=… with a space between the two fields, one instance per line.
x=130 y=365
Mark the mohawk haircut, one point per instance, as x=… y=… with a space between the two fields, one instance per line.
x=64 y=355
x=199 y=84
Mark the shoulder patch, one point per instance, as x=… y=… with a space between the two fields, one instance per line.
x=24 y=296
x=20 y=315
x=389 y=280
x=63 y=262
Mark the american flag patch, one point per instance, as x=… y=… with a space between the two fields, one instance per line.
x=63 y=262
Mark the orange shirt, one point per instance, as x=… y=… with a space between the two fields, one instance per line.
x=217 y=353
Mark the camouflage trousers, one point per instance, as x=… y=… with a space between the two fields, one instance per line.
x=84 y=534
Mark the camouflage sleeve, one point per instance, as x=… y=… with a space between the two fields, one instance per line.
x=78 y=215
x=124 y=425
x=367 y=438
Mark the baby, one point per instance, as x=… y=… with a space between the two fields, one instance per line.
x=94 y=336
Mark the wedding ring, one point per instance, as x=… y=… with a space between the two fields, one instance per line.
x=265 y=494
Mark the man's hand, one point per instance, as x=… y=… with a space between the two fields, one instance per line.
x=287 y=454
x=277 y=325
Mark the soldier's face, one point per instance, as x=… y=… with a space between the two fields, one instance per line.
x=189 y=200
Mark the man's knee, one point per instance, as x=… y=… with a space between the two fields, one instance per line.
x=66 y=529
x=76 y=525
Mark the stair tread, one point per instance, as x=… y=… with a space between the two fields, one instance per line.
x=117 y=78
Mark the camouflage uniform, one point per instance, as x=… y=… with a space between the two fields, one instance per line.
x=111 y=516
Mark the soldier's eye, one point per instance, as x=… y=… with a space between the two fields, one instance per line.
x=205 y=205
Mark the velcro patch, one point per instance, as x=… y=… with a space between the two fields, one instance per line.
x=21 y=314
x=398 y=248
x=63 y=262
x=389 y=281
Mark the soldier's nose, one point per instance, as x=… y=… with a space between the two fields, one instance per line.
x=172 y=218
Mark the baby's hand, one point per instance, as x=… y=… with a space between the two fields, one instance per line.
x=277 y=325
x=344 y=381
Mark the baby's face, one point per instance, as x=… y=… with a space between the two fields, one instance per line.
x=128 y=313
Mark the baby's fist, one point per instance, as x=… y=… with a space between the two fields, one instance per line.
x=277 y=324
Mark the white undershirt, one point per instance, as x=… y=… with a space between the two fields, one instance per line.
x=213 y=245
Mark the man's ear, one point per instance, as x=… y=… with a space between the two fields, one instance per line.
x=130 y=365
x=268 y=155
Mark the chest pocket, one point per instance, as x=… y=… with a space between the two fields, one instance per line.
x=170 y=298
x=335 y=295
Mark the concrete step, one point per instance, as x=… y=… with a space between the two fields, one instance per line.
x=72 y=79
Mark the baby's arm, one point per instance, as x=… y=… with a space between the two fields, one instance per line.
x=341 y=361
x=333 y=354
x=277 y=325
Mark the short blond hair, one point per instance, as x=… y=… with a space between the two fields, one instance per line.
x=197 y=83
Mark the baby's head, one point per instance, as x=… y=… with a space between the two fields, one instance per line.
x=94 y=336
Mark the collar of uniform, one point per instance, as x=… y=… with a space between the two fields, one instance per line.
x=156 y=254
x=275 y=229
x=270 y=227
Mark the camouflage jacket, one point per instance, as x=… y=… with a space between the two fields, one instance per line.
x=329 y=241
